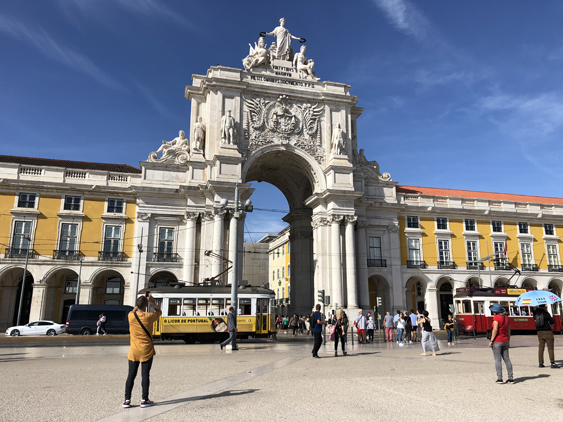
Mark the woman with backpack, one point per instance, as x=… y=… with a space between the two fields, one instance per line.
x=500 y=342
x=340 y=329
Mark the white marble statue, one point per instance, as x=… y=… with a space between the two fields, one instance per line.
x=228 y=129
x=283 y=41
x=304 y=67
x=198 y=139
x=258 y=56
x=338 y=141
x=175 y=150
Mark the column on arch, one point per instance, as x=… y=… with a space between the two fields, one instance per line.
x=336 y=259
x=218 y=236
x=351 y=281
x=362 y=265
x=189 y=255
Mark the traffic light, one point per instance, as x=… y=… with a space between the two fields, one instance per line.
x=321 y=296
x=327 y=300
x=379 y=301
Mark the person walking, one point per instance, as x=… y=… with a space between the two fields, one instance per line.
x=419 y=317
x=400 y=328
x=141 y=349
x=371 y=328
x=308 y=324
x=428 y=338
x=285 y=323
x=500 y=342
x=316 y=328
x=449 y=327
x=294 y=324
x=231 y=329
x=340 y=329
x=408 y=328
x=101 y=325
x=414 y=333
x=388 y=321
x=360 y=324
x=543 y=322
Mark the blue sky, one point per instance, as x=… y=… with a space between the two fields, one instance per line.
x=462 y=95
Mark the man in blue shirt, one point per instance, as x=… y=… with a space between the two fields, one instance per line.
x=316 y=318
x=414 y=326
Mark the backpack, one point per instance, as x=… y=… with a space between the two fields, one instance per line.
x=313 y=321
x=539 y=319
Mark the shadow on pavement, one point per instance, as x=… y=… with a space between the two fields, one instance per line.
x=522 y=379
x=358 y=354
x=228 y=393
x=448 y=353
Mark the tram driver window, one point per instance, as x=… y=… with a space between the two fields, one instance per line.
x=264 y=306
x=203 y=307
x=458 y=309
x=466 y=306
x=479 y=307
x=245 y=306
x=189 y=307
x=217 y=306
x=174 y=306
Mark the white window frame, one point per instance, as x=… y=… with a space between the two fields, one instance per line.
x=449 y=240
x=553 y=243
x=157 y=237
x=119 y=199
x=475 y=229
x=69 y=220
x=493 y=233
x=476 y=250
x=15 y=220
x=521 y=243
x=554 y=229
x=81 y=208
x=447 y=223
x=380 y=247
x=17 y=199
x=417 y=222
x=419 y=238
x=121 y=226
x=528 y=232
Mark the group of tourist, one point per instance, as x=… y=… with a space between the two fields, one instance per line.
x=298 y=324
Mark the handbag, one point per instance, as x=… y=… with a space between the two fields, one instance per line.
x=333 y=333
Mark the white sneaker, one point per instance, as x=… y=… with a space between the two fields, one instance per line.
x=400 y=344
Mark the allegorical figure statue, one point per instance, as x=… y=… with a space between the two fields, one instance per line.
x=228 y=129
x=304 y=67
x=338 y=141
x=258 y=56
x=177 y=149
x=283 y=38
x=198 y=140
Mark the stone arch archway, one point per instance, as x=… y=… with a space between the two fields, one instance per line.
x=445 y=292
x=60 y=285
x=11 y=280
x=162 y=278
x=380 y=287
x=416 y=293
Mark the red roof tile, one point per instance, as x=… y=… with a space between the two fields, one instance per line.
x=83 y=165
x=477 y=195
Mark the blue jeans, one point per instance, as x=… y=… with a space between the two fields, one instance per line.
x=450 y=336
x=400 y=331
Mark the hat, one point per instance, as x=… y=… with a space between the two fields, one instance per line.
x=497 y=309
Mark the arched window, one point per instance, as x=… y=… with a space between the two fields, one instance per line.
x=473 y=283
x=71 y=284
x=113 y=285
x=500 y=283
x=446 y=287
x=527 y=285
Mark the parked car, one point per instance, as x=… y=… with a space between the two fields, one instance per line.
x=82 y=319
x=36 y=328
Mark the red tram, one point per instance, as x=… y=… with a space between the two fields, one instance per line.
x=472 y=310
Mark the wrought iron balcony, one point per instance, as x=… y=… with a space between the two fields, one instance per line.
x=446 y=265
x=67 y=255
x=502 y=264
x=555 y=268
x=166 y=257
x=475 y=265
x=20 y=253
x=530 y=267
x=111 y=256
x=377 y=263
x=416 y=264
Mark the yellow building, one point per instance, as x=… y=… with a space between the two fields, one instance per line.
x=66 y=219
x=280 y=270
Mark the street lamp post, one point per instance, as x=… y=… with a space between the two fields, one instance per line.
x=234 y=284
x=23 y=281
x=140 y=247
x=78 y=282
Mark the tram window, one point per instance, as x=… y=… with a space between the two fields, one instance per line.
x=525 y=311
x=479 y=307
x=245 y=306
x=458 y=309
x=203 y=307
x=189 y=307
x=466 y=306
x=158 y=303
x=174 y=306
x=217 y=306
x=264 y=306
x=555 y=309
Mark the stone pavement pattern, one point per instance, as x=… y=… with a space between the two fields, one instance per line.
x=199 y=382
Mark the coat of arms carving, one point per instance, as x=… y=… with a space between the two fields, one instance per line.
x=283 y=122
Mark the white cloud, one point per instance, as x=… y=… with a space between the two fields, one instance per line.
x=55 y=51
x=158 y=106
x=152 y=8
x=404 y=16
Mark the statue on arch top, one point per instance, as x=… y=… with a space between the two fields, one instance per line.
x=228 y=129
x=198 y=140
x=304 y=67
x=175 y=150
x=258 y=56
x=283 y=41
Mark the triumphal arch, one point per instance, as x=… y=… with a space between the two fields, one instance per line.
x=273 y=120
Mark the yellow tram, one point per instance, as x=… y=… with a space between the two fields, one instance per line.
x=199 y=313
